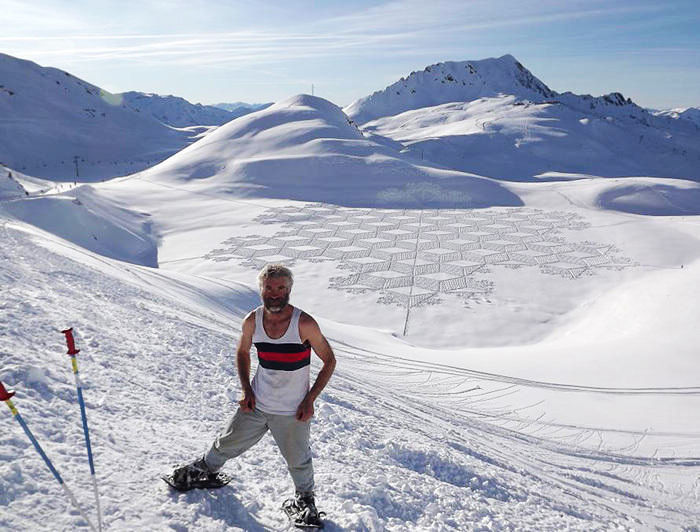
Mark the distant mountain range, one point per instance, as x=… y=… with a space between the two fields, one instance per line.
x=242 y=108
x=178 y=112
x=490 y=117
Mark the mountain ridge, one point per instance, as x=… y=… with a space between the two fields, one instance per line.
x=58 y=126
x=495 y=118
x=176 y=111
x=451 y=81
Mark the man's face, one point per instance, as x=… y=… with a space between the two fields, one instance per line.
x=275 y=294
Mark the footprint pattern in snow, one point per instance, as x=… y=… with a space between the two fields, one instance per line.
x=411 y=256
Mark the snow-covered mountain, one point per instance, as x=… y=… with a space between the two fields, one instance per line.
x=52 y=120
x=451 y=82
x=494 y=118
x=306 y=147
x=176 y=111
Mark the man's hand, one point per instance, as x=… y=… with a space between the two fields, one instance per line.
x=247 y=404
x=306 y=409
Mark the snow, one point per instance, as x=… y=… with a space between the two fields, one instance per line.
x=93 y=223
x=512 y=354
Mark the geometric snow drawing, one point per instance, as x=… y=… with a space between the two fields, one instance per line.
x=411 y=256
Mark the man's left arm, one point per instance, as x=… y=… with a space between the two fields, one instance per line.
x=309 y=330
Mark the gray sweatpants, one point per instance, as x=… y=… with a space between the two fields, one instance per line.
x=247 y=428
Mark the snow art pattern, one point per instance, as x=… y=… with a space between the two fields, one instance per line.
x=412 y=256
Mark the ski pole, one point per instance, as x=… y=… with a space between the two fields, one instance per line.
x=72 y=351
x=6 y=397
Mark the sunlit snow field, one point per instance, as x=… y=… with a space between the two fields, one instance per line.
x=512 y=354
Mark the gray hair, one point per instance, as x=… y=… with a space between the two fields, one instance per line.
x=273 y=271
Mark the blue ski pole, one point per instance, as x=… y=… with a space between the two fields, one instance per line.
x=6 y=397
x=72 y=351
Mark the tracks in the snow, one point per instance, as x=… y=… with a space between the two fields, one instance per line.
x=601 y=483
x=408 y=363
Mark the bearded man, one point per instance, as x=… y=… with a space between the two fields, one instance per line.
x=278 y=399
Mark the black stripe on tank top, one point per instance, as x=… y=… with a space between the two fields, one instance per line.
x=281 y=348
x=284 y=366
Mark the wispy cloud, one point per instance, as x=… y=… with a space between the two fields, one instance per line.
x=412 y=16
x=393 y=27
x=235 y=47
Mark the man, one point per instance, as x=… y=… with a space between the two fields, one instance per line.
x=279 y=398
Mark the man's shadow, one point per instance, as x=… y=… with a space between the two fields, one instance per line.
x=222 y=505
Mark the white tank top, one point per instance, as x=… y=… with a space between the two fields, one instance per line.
x=282 y=379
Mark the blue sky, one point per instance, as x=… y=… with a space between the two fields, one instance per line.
x=224 y=51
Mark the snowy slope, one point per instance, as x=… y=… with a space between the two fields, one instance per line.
x=305 y=147
x=91 y=221
x=49 y=117
x=9 y=186
x=403 y=439
x=495 y=118
x=505 y=138
x=176 y=111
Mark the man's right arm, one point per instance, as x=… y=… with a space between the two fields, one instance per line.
x=247 y=403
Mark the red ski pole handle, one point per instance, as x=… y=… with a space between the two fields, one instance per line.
x=4 y=394
x=70 y=342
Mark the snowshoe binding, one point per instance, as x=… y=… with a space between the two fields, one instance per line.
x=196 y=476
x=302 y=512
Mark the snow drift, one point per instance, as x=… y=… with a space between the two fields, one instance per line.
x=92 y=222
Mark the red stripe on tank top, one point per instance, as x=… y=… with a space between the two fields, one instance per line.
x=284 y=357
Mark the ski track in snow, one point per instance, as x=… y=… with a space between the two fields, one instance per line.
x=398 y=445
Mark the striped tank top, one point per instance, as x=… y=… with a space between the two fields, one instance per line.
x=282 y=378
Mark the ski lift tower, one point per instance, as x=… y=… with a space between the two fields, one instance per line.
x=75 y=161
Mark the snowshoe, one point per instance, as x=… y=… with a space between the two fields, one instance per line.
x=196 y=476
x=302 y=512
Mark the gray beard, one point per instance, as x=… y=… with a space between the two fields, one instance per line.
x=276 y=307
